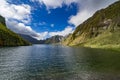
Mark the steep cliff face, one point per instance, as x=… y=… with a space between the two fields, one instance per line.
x=103 y=22
x=9 y=38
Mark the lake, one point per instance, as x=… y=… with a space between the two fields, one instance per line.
x=55 y=62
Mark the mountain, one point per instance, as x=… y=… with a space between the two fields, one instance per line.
x=31 y=39
x=9 y=38
x=100 y=30
x=51 y=40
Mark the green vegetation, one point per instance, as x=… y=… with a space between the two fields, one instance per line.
x=9 y=38
x=107 y=40
x=102 y=30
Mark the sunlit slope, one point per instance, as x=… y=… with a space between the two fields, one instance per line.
x=100 y=30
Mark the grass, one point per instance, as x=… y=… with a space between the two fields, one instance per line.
x=107 y=40
x=85 y=34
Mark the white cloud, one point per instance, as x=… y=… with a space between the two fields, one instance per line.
x=18 y=16
x=20 y=12
x=53 y=4
x=79 y=18
x=42 y=35
x=21 y=28
x=86 y=9
x=64 y=32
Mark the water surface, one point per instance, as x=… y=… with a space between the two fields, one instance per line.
x=54 y=62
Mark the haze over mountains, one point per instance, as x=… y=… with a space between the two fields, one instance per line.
x=51 y=40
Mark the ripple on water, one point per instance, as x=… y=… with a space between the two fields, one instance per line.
x=50 y=62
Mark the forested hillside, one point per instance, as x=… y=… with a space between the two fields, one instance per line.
x=9 y=38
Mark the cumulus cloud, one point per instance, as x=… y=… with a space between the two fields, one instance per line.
x=64 y=32
x=79 y=18
x=21 y=27
x=86 y=9
x=20 y=12
x=52 y=4
x=17 y=16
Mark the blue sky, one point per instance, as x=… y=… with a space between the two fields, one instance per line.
x=54 y=20
x=48 y=20
x=45 y=18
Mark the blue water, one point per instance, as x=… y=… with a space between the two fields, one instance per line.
x=50 y=62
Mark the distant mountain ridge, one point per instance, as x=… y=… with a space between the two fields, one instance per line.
x=99 y=29
x=54 y=39
x=51 y=40
x=9 y=38
x=31 y=39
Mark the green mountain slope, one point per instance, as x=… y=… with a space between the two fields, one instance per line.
x=9 y=38
x=102 y=29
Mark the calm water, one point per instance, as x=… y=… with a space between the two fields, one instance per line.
x=50 y=62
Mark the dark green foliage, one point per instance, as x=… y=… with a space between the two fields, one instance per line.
x=2 y=20
x=9 y=38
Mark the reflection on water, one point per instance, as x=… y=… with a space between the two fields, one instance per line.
x=50 y=62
